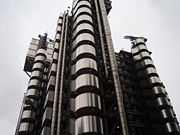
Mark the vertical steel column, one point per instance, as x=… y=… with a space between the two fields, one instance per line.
x=49 y=99
x=114 y=67
x=64 y=43
x=57 y=82
x=101 y=37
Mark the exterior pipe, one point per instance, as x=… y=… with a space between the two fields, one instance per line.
x=57 y=82
x=20 y=116
x=101 y=38
x=114 y=69
x=61 y=78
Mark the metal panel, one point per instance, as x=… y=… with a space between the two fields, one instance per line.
x=35 y=82
x=82 y=9
x=31 y=53
x=72 y=104
x=41 y=51
x=58 y=36
x=60 y=21
x=34 y=103
x=139 y=47
x=150 y=70
x=137 y=57
x=33 y=46
x=40 y=57
x=81 y=37
x=53 y=67
x=83 y=26
x=155 y=91
x=80 y=3
x=85 y=80
x=158 y=89
x=88 y=124
x=88 y=100
x=74 y=3
x=56 y=45
x=84 y=63
x=172 y=127
x=34 y=41
x=59 y=28
x=82 y=18
x=55 y=55
x=26 y=127
x=150 y=80
x=167 y=113
x=141 y=55
x=52 y=80
x=28 y=114
x=33 y=93
x=144 y=63
x=49 y=97
x=46 y=131
x=47 y=114
x=37 y=73
x=71 y=126
x=144 y=54
x=138 y=40
x=146 y=71
x=38 y=65
x=162 y=101
x=154 y=79
x=83 y=49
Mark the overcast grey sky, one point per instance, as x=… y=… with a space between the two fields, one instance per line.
x=20 y=20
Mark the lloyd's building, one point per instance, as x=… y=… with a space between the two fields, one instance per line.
x=79 y=86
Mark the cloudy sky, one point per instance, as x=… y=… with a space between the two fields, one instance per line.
x=20 y=20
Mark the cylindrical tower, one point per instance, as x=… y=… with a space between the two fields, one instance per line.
x=160 y=109
x=85 y=87
x=28 y=119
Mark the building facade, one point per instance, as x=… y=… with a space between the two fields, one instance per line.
x=79 y=86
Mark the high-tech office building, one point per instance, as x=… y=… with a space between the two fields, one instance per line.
x=79 y=86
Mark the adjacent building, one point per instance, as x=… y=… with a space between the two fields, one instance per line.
x=79 y=86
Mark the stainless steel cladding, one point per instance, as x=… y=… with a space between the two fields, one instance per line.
x=87 y=100
x=28 y=114
x=45 y=131
x=157 y=99
x=82 y=3
x=60 y=47
x=81 y=18
x=113 y=64
x=83 y=49
x=89 y=124
x=47 y=114
x=84 y=63
x=85 y=84
x=83 y=36
x=33 y=93
x=85 y=80
x=26 y=127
